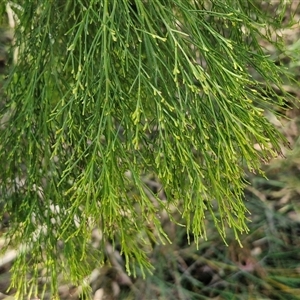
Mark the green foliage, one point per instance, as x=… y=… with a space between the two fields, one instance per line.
x=104 y=93
x=267 y=267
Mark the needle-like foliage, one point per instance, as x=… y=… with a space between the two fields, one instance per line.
x=102 y=94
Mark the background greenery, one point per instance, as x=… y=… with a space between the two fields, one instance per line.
x=76 y=128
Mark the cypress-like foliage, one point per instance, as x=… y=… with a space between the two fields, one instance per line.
x=102 y=94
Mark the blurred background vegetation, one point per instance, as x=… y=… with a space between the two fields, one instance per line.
x=268 y=264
